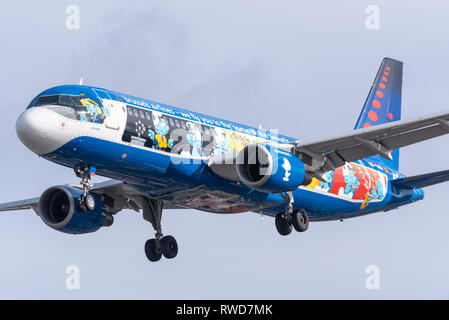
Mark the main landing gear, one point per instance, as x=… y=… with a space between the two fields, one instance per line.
x=160 y=245
x=296 y=218
x=85 y=201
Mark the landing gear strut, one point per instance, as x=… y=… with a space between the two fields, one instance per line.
x=296 y=218
x=85 y=201
x=160 y=245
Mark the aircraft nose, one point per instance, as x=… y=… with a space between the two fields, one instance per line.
x=33 y=127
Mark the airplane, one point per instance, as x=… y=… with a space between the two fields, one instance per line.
x=159 y=157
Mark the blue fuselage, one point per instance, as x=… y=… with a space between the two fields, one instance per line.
x=162 y=151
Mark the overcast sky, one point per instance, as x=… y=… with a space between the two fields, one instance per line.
x=304 y=68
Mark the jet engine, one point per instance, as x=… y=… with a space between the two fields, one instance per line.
x=269 y=169
x=58 y=209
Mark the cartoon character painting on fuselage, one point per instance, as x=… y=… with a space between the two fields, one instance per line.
x=157 y=130
x=165 y=132
x=353 y=182
x=94 y=112
x=160 y=131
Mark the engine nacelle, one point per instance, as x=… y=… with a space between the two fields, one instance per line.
x=269 y=169
x=57 y=208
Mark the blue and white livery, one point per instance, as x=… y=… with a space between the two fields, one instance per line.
x=161 y=157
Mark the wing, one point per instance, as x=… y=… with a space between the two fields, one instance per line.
x=115 y=195
x=31 y=203
x=324 y=154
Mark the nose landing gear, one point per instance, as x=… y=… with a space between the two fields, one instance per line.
x=85 y=201
x=296 y=218
x=160 y=245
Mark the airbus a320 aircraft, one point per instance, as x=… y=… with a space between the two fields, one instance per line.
x=159 y=156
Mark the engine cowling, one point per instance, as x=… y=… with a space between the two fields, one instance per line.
x=269 y=169
x=58 y=210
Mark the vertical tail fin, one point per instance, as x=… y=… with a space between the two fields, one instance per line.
x=383 y=104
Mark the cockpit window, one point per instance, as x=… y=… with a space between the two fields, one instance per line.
x=63 y=100
x=74 y=107
x=47 y=100
x=66 y=101
x=77 y=101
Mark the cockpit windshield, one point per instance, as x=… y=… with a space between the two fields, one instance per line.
x=74 y=107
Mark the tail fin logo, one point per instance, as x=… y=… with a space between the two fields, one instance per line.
x=383 y=103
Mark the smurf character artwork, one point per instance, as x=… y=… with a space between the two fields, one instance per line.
x=377 y=190
x=159 y=134
x=326 y=186
x=221 y=143
x=194 y=139
x=94 y=112
x=351 y=180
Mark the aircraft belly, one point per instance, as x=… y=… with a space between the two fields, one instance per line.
x=214 y=201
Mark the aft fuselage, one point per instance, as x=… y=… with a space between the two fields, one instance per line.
x=162 y=152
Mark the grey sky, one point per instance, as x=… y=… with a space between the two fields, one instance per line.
x=303 y=68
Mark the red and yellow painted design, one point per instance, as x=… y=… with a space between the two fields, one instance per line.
x=353 y=182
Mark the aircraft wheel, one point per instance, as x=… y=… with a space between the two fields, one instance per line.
x=151 y=251
x=169 y=247
x=80 y=204
x=90 y=202
x=282 y=225
x=300 y=220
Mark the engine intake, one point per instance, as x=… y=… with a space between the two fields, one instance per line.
x=57 y=208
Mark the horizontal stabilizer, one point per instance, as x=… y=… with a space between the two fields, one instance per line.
x=422 y=180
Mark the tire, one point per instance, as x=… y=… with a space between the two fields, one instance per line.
x=90 y=202
x=80 y=205
x=300 y=220
x=283 y=227
x=169 y=247
x=151 y=251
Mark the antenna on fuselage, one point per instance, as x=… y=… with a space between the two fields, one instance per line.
x=81 y=81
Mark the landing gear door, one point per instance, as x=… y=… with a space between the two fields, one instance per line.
x=111 y=110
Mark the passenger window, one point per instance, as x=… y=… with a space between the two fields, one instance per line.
x=136 y=113
x=142 y=115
